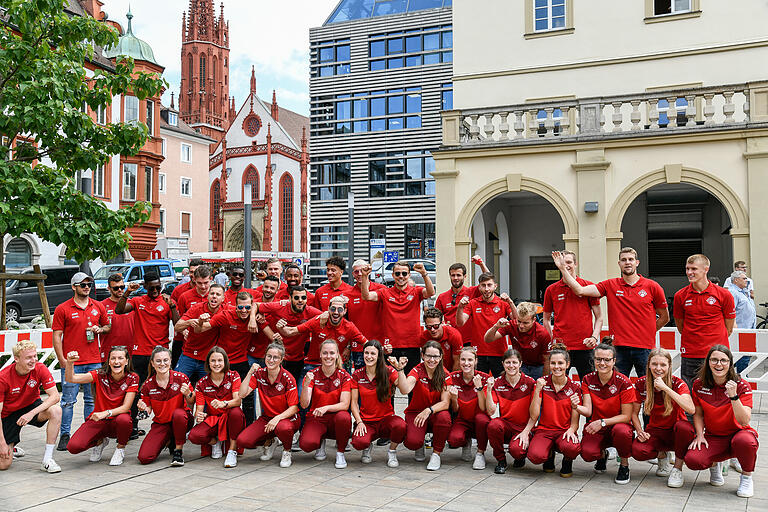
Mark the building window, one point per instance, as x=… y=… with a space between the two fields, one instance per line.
x=151 y=117
x=186 y=153
x=98 y=181
x=331 y=58
x=420 y=241
x=549 y=14
x=161 y=229
x=202 y=73
x=101 y=114
x=421 y=47
x=173 y=119
x=148 y=184
x=392 y=109
x=251 y=176
x=161 y=182
x=662 y=7
x=400 y=173
x=129 y=181
x=163 y=146
x=186 y=187
x=186 y=222
x=18 y=253
x=286 y=213
x=215 y=203
x=331 y=178
x=446 y=97
x=131 y=109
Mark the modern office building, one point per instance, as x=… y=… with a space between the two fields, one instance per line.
x=380 y=74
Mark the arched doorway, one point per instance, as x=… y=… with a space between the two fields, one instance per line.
x=236 y=238
x=670 y=221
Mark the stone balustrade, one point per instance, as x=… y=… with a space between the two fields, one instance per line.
x=633 y=115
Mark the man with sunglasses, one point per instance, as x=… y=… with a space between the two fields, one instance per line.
x=198 y=343
x=293 y=277
x=199 y=293
x=76 y=324
x=448 y=301
x=334 y=269
x=182 y=288
x=236 y=280
x=121 y=334
x=448 y=337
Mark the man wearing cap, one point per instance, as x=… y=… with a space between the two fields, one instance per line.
x=76 y=324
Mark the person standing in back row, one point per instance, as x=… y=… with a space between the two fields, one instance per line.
x=334 y=270
x=448 y=301
x=637 y=309
x=183 y=287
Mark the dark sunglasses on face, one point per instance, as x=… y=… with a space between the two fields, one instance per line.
x=336 y=309
x=246 y=307
x=401 y=273
x=432 y=327
x=121 y=287
x=154 y=288
x=84 y=285
x=238 y=274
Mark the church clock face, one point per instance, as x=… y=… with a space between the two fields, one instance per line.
x=252 y=125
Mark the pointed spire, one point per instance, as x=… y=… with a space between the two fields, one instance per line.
x=275 y=110
x=130 y=17
x=253 y=79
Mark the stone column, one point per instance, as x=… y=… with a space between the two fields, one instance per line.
x=593 y=253
x=448 y=250
x=757 y=238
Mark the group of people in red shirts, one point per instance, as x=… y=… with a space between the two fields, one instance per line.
x=481 y=368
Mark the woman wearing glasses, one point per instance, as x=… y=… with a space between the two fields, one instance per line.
x=723 y=403
x=608 y=402
x=327 y=391
x=428 y=408
x=467 y=392
x=217 y=408
x=279 y=404
x=513 y=391
x=115 y=386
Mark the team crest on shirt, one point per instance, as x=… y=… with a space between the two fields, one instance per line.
x=94 y=312
x=642 y=293
x=279 y=386
x=496 y=309
x=711 y=301
x=341 y=339
x=613 y=389
x=568 y=392
x=124 y=386
x=227 y=385
x=175 y=386
x=534 y=344
x=32 y=383
x=337 y=382
x=160 y=307
x=523 y=387
x=409 y=297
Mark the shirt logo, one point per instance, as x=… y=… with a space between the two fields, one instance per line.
x=341 y=339
x=124 y=386
x=227 y=385
x=409 y=297
x=534 y=344
x=159 y=308
x=619 y=293
x=523 y=387
x=336 y=382
x=32 y=383
x=94 y=312
x=279 y=386
x=496 y=309
x=568 y=392
x=175 y=386
x=613 y=389
x=642 y=293
x=711 y=301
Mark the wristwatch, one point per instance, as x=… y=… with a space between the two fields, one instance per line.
x=602 y=423
x=479 y=389
x=734 y=398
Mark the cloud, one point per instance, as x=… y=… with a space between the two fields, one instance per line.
x=271 y=35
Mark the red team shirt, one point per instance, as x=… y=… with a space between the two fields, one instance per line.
x=658 y=420
x=110 y=393
x=451 y=342
x=230 y=296
x=607 y=398
x=19 y=391
x=275 y=397
x=514 y=401
x=72 y=320
x=186 y=300
x=345 y=334
x=719 y=419
x=573 y=314
x=206 y=391
x=482 y=315
x=364 y=313
x=328 y=390
x=121 y=333
x=371 y=410
x=556 y=405
x=165 y=400
x=448 y=303
x=282 y=294
x=294 y=346
x=467 y=399
x=703 y=314
x=632 y=310
x=197 y=344
x=233 y=334
x=399 y=315
x=423 y=395
x=259 y=341
x=533 y=345
x=150 y=323
x=325 y=293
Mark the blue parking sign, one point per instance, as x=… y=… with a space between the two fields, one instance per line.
x=391 y=256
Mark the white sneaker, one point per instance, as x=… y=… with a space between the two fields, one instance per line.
x=50 y=466
x=716 y=475
x=653 y=461
x=419 y=455
x=217 y=450
x=117 y=457
x=285 y=460
x=736 y=465
x=392 y=459
x=746 y=489
x=18 y=452
x=675 y=479
x=434 y=462
x=231 y=460
x=664 y=468
x=295 y=444
x=98 y=450
x=320 y=452
x=341 y=461
x=479 y=462
x=269 y=451
x=613 y=454
x=367 y=455
x=466 y=452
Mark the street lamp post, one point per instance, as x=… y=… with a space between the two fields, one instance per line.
x=351 y=236
x=247 y=238
x=86 y=187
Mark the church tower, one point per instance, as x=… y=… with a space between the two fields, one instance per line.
x=204 y=101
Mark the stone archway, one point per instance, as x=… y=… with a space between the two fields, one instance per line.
x=236 y=236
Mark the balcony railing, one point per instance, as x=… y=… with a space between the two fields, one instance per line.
x=643 y=114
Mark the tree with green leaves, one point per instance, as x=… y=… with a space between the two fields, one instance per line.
x=44 y=83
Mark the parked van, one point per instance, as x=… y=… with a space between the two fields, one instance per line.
x=132 y=272
x=23 y=300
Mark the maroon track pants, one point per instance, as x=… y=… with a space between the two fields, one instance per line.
x=742 y=445
x=92 y=432
x=463 y=430
x=544 y=441
x=502 y=431
x=438 y=423
x=203 y=433
x=619 y=436
x=162 y=434
x=335 y=425
x=676 y=438
x=254 y=435
x=392 y=427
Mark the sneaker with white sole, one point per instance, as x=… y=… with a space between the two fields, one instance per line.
x=746 y=488
x=268 y=452
x=50 y=466
x=320 y=452
x=736 y=465
x=664 y=468
x=613 y=454
x=675 y=479
x=466 y=452
x=392 y=459
x=18 y=452
x=286 y=460
x=117 y=457
x=231 y=460
x=295 y=444
x=419 y=455
x=434 y=462
x=217 y=450
x=98 y=450
x=367 y=456
x=479 y=462
x=716 y=475
x=341 y=461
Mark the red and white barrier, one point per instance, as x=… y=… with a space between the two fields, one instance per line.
x=43 y=339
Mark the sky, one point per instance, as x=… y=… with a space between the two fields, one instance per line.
x=272 y=35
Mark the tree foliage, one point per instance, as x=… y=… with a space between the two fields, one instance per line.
x=43 y=86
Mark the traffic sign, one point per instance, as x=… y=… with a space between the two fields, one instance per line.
x=391 y=256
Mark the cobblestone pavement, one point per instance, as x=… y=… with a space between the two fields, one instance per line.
x=204 y=484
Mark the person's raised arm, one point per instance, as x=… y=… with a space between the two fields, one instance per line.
x=477 y=260
x=123 y=306
x=245 y=387
x=306 y=390
x=191 y=323
x=454 y=396
x=69 y=371
x=585 y=408
x=493 y=334
x=684 y=401
x=582 y=291
x=285 y=329
x=741 y=412
x=597 y=326
x=512 y=308
x=477 y=382
x=534 y=410
x=490 y=406
x=404 y=383
x=461 y=315
x=365 y=285
x=429 y=288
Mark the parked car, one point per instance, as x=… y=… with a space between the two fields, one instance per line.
x=23 y=300
x=387 y=279
x=133 y=272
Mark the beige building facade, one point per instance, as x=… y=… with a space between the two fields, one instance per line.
x=595 y=125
